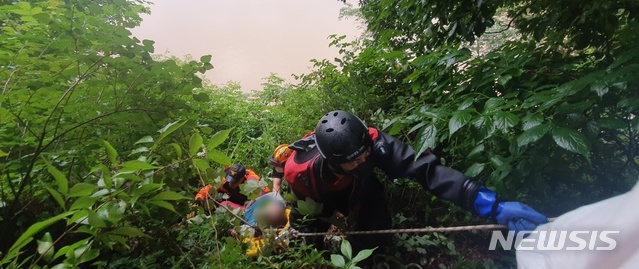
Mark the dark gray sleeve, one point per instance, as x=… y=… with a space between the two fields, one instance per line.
x=397 y=160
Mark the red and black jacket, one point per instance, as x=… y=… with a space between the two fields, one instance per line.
x=310 y=175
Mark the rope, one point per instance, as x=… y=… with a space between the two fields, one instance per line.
x=295 y=233
x=412 y=230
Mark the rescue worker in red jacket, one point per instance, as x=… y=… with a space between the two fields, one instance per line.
x=236 y=175
x=334 y=166
x=277 y=160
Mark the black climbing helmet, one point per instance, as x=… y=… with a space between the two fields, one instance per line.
x=341 y=137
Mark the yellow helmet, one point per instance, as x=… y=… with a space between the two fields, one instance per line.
x=280 y=155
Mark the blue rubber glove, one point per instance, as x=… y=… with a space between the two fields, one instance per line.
x=517 y=216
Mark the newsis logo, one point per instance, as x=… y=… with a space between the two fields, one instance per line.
x=555 y=240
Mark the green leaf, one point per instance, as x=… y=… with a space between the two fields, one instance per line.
x=396 y=127
x=139 y=150
x=309 y=207
x=393 y=54
x=426 y=139
x=338 y=260
x=83 y=253
x=146 y=139
x=571 y=140
x=102 y=169
x=417 y=127
x=389 y=122
x=466 y=103
x=533 y=134
x=56 y=196
x=532 y=120
x=205 y=59
x=566 y=108
x=95 y=220
x=485 y=125
x=112 y=212
x=492 y=104
x=218 y=138
x=129 y=231
x=201 y=97
x=178 y=150
x=505 y=120
x=475 y=169
x=504 y=79
x=128 y=175
x=27 y=236
x=499 y=162
x=459 y=119
x=629 y=104
x=163 y=204
x=206 y=130
x=2 y=154
x=200 y=164
x=362 y=255
x=118 y=239
x=476 y=150
x=137 y=165
x=346 y=249
x=82 y=189
x=68 y=250
x=611 y=123
x=168 y=196
x=195 y=143
x=146 y=189
x=80 y=217
x=218 y=157
x=148 y=45
x=252 y=188
x=169 y=129
x=60 y=179
x=88 y=256
x=62 y=266
x=83 y=203
x=45 y=246
x=429 y=112
x=600 y=88
x=111 y=153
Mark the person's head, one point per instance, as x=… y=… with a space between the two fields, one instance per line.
x=279 y=157
x=272 y=214
x=235 y=175
x=343 y=139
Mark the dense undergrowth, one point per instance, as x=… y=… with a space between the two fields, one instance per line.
x=103 y=143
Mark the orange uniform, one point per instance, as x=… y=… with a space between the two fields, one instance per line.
x=236 y=198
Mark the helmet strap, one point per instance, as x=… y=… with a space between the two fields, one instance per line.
x=336 y=168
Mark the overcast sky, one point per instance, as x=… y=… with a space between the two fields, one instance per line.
x=248 y=39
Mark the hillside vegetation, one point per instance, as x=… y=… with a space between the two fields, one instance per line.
x=103 y=143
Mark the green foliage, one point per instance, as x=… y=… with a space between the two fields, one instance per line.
x=102 y=143
x=546 y=115
x=431 y=25
x=109 y=210
x=309 y=207
x=73 y=79
x=346 y=260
